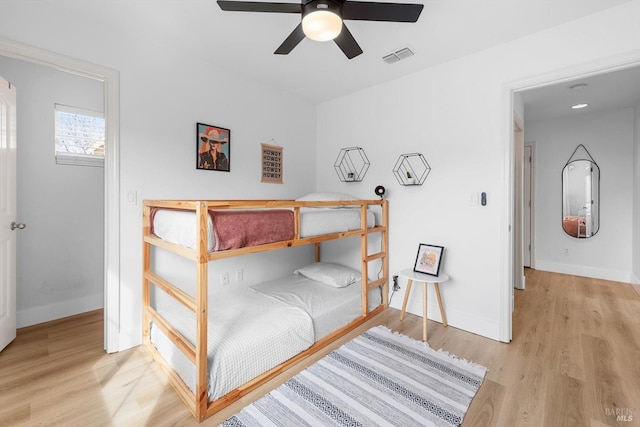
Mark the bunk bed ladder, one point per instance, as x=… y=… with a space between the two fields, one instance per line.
x=385 y=251
x=366 y=258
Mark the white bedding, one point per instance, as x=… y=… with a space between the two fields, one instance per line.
x=248 y=334
x=253 y=329
x=179 y=227
x=317 y=221
x=329 y=307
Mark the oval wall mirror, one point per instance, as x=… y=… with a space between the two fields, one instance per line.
x=581 y=195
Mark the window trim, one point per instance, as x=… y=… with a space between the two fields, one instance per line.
x=79 y=160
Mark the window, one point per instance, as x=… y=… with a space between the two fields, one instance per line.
x=79 y=136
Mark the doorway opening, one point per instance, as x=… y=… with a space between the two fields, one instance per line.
x=111 y=83
x=513 y=96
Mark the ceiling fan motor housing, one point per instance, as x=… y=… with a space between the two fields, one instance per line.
x=328 y=5
x=322 y=19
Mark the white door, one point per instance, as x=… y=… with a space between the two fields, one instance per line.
x=527 y=206
x=518 y=245
x=7 y=213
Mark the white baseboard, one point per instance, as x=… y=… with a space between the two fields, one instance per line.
x=585 y=271
x=455 y=318
x=46 y=313
x=635 y=280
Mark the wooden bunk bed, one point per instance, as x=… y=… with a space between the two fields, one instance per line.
x=202 y=253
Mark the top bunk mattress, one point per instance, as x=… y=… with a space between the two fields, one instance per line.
x=238 y=229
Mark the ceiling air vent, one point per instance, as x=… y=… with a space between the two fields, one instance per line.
x=398 y=55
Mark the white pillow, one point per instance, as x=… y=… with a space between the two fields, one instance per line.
x=326 y=197
x=335 y=275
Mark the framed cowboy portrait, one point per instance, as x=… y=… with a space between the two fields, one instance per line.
x=213 y=148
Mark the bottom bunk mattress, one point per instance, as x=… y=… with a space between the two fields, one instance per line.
x=248 y=334
x=252 y=330
x=330 y=307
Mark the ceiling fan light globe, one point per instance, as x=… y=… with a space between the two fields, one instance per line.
x=321 y=25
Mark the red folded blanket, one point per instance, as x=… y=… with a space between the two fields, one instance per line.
x=239 y=229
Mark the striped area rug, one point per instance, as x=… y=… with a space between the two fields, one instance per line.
x=380 y=378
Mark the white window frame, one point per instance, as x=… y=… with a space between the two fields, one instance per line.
x=75 y=159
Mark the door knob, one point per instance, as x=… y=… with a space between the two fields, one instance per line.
x=18 y=225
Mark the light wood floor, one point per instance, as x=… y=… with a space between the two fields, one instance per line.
x=574 y=360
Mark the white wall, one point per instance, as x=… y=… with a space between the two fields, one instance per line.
x=458 y=115
x=60 y=255
x=635 y=277
x=161 y=101
x=454 y=114
x=608 y=136
x=164 y=90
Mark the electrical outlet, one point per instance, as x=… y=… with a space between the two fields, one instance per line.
x=239 y=275
x=566 y=251
x=132 y=197
x=224 y=278
x=396 y=286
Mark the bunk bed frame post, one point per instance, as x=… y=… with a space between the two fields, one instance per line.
x=364 y=255
x=385 y=251
x=296 y=223
x=201 y=312
x=146 y=265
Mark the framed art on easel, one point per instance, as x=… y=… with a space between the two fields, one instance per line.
x=428 y=259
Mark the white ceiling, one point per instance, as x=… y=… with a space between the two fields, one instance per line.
x=618 y=89
x=244 y=42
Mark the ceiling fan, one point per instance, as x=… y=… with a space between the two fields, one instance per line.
x=322 y=20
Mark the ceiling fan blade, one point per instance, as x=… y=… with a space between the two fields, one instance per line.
x=292 y=41
x=390 y=12
x=347 y=43
x=256 y=6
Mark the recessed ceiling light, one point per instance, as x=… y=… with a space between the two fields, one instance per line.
x=579 y=106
